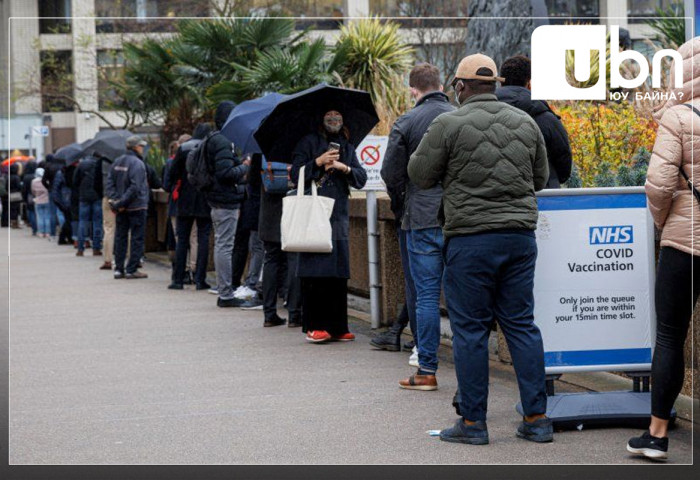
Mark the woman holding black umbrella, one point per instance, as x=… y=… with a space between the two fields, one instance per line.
x=330 y=160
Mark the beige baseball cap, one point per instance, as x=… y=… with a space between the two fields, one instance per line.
x=470 y=65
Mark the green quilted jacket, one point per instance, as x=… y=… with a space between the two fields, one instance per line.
x=490 y=158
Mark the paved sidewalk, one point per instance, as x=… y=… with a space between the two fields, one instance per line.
x=127 y=372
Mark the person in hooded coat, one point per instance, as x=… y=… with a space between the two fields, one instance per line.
x=324 y=276
x=675 y=206
x=516 y=92
x=224 y=198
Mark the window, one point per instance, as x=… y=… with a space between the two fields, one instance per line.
x=560 y=11
x=300 y=8
x=110 y=68
x=422 y=8
x=647 y=8
x=60 y=10
x=56 y=80
x=143 y=12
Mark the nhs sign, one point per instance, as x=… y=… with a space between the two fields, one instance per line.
x=610 y=234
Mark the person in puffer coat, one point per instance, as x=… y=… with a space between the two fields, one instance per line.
x=676 y=213
x=490 y=158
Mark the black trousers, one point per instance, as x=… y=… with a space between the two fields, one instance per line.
x=675 y=300
x=184 y=229
x=325 y=304
x=134 y=221
x=279 y=277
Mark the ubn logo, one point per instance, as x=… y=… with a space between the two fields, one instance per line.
x=550 y=44
x=611 y=234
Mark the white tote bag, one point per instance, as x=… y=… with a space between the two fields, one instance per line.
x=306 y=221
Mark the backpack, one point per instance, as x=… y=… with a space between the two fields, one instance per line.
x=275 y=176
x=200 y=171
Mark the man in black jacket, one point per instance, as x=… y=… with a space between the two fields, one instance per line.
x=191 y=209
x=516 y=92
x=413 y=208
x=224 y=198
x=90 y=206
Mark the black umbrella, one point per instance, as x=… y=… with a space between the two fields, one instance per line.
x=108 y=143
x=302 y=113
x=69 y=153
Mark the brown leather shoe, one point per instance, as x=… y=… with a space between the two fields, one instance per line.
x=106 y=266
x=419 y=382
x=97 y=253
x=79 y=253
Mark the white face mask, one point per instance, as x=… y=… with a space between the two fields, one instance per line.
x=333 y=123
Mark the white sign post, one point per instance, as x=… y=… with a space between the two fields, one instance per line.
x=371 y=153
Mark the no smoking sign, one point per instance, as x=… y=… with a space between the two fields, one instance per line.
x=371 y=153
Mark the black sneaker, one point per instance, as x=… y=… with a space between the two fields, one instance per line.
x=118 y=274
x=389 y=340
x=231 y=302
x=175 y=286
x=540 y=431
x=408 y=346
x=203 y=286
x=477 y=434
x=651 y=447
x=274 y=321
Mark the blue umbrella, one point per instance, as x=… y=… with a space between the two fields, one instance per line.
x=245 y=119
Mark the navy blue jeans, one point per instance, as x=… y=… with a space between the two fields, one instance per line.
x=425 y=256
x=90 y=215
x=409 y=287
x=133 y=221
x=491 y=276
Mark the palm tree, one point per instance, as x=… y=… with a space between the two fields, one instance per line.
x=374 y=58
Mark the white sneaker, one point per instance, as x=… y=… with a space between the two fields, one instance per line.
x=413 y=359
x=244 y=293
x=213 y=291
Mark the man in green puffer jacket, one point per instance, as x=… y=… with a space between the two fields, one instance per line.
x=490 y=158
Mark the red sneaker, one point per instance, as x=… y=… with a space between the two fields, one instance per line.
x=346 y=337
x=317 y=336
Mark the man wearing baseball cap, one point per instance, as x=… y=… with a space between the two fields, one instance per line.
x=490 y=158
x=128 y=193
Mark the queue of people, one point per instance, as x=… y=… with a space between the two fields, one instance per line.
x=462 y=183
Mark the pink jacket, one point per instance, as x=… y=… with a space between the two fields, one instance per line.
x=672 y=204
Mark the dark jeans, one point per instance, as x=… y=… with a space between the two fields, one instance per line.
x=31 y=217
x=134 y=221
x=279 y=268
x=677 y=290
x=184 y=229
x=325 y=304
x=409 y=286
x=90 y=214
x=489 y=276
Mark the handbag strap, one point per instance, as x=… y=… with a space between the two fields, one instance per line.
x=692 y=188
x=301 y=186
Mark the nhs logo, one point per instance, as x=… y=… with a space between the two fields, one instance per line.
x=610 y=234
